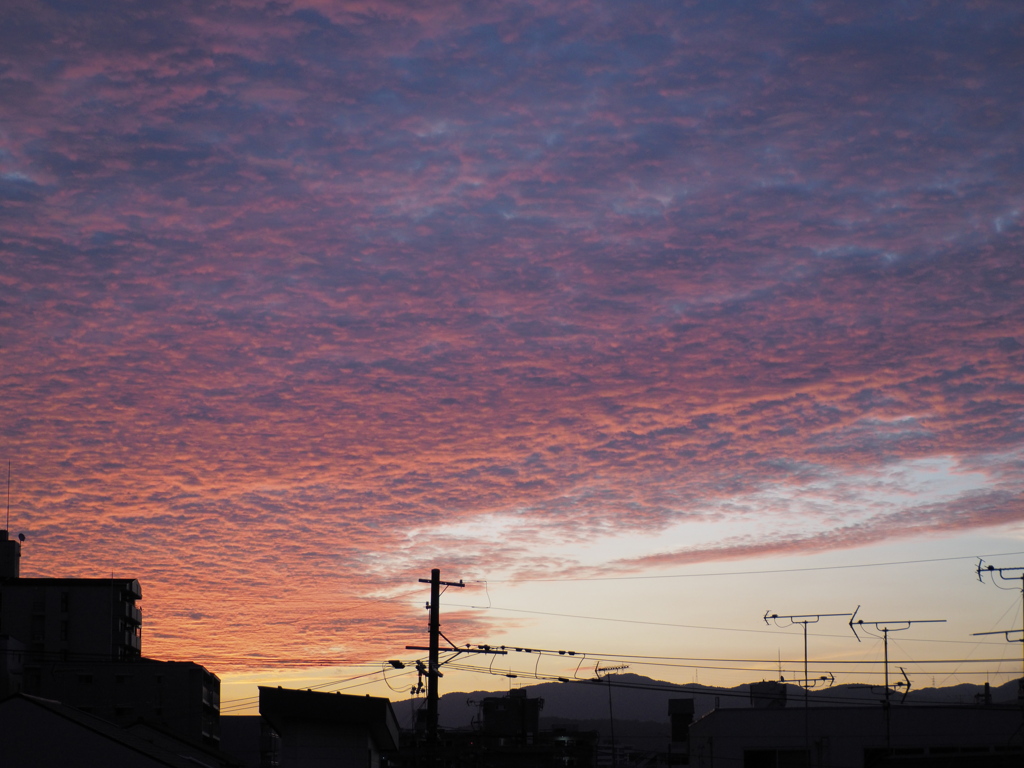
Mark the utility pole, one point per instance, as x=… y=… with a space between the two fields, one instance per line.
x=433 y=662
x=434 y=649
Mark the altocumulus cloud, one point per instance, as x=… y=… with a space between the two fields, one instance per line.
x=283 y=284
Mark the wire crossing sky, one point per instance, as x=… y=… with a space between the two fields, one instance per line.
x=299 y=300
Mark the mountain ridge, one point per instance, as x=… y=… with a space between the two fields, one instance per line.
x=638 y=698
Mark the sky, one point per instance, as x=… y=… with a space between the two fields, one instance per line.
x=300 y=300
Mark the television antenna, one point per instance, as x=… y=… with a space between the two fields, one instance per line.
x=803 y=620
x=885 y=627
x=1005 y=574
x=605 y=673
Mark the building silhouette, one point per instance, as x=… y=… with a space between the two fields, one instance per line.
x=79 y=641
x=329 y=730
x=918 y=736
x=40 y=733
x=10 y=556
x=72 y=619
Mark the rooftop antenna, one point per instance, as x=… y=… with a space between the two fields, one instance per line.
x=803 y=620
x=10 y=550
x=606 y=673
x=885 y=627
x=1005 y=574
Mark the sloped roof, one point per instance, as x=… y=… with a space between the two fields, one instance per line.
x=44 y=712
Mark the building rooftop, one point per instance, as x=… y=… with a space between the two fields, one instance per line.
x=280 y=705
x=130 y=584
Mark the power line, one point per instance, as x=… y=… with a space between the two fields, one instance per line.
x=640 y=659
x=666 y=624
x=746 y=573
x=355 y=681
x=245 y=703
x=661 y=687
x=604 y=618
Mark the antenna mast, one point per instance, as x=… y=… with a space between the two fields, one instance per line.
x=803 y=620
x=1005 y=574
x=885 y=627
x=606 y=672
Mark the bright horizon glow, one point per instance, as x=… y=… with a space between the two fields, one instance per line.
x=617 y=625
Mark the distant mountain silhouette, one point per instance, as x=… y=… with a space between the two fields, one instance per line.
x=642 y=699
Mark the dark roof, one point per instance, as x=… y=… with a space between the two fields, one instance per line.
x=104 y=729
x=132 y=584
x=164 y=738
x=280 y=706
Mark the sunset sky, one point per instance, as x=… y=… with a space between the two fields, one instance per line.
x=299 y=300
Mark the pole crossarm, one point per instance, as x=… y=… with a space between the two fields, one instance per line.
x=443 y=583
x=456 y=650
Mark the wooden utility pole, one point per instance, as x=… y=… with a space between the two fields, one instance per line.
x=434 y=649
x=433 y=662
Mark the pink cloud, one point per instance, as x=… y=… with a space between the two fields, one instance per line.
x=280 y=286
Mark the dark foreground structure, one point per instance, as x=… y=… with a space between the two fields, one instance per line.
x=325 y=730
x=40 y=733
x=859 y=737
x=315 y=730
x=78 y=641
